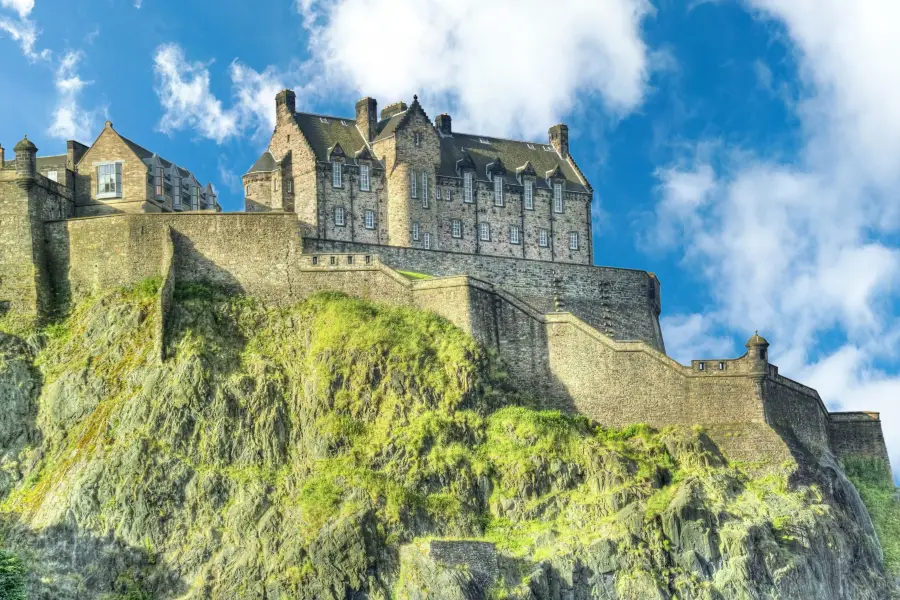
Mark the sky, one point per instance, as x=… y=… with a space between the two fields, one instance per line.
x=746 y=151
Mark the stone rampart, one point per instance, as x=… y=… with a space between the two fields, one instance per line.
x=857 y=435
x=621 y=303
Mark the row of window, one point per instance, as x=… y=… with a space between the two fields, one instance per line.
x=340 y=217
x=337 y=174
x=484 y=234
x=109 y=185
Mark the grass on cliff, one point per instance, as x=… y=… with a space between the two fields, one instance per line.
x=12 y=577
x=873 y=480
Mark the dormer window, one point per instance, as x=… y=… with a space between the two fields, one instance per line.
x=468 y=193
x=176 y=193
x=336 y=174
x=557 y=198
x=195 y=197
x=529 y=194
x=498 y=190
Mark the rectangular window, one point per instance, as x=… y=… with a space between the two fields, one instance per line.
x=426 y=240
x=158 y=182
x=53 y=176
x=417 y=139
x=176 y=193
x=437 y=192
x=457 y=228
x=543 y=238
x=413 y=185
x=529 y=194
x=289 y=186
x=573 y=241
x=415 y=232
x=424 y=190
x=336 y=174
x=557 y=198
x=370 y=219
x=109 y=180
x=468 y=195
x=247 y=190
x=447 y=195
x=340 y=217
x=195 y=198
x=514 y=235
x=485 y=232
x=498 y=191
x=364 y=177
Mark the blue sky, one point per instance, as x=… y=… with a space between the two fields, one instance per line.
x=745 y=151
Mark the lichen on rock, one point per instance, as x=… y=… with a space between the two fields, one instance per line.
x=314 y=451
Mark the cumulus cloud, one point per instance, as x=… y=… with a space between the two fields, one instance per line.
x=807 y=251
x=22 y=7
x=499 y=68
x=188 y=102
x=70 y=119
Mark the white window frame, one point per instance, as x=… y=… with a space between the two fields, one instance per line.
x=529 y=194
x=485 y=232
x=195 y=197
x=340 y=216
x=364 y=177
x=573 y=240
x=468 y=187
x=289 y=186
x=415 y=232
x=498 y=190
x=337 y=176
x=413 y=185
x=53 y=176
x=515 y=235
x=557 y=198
x=370 y=219
x=456 y=228
x=114 y=178
x=426 y=240
x=247 y=190
x=424 y=189
x=543 y=238
x=447 y=195
x=437 y=192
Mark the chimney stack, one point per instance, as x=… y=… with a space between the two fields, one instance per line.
x=559 y=139
x=74 y=152
x=2 y=156
x=443 y=124
x=367 y=117
x=286 y=101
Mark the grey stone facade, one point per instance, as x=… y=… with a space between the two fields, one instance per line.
x=402 y=181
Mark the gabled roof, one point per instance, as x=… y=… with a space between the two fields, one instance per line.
x=484 y=150
x=323 y=132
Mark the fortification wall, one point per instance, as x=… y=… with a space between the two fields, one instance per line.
x=856 y=434
x=621 y=303
x=795 y=408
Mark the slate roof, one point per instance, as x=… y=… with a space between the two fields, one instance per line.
x=264 y=164
x=323 y=132
x=43 y=162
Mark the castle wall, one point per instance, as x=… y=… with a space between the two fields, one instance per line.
x=857 y=435
x=136 y=190
x=355 y=202
x=621 y=303
x=798 y=409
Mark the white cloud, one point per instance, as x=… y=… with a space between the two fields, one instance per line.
x=807 y=251
x=70 y=120
x=188 y=102
x=497 y=66
x=690 y=337
x=26 y=33
x=22 y=7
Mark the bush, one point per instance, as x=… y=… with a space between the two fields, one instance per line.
x=12 y=577
x=872 y=477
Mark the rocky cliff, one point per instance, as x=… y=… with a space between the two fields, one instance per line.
x=342 y=450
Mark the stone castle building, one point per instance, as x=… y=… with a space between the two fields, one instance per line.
x=399 y=180
x=492 y=234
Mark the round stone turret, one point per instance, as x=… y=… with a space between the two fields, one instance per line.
x=758 y=354
x=26 y=163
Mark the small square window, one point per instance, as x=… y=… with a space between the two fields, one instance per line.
x=702 y=366
x=721 y=366
x=333 y=260
x=368 y=260
x=350 y=260
x=315 y=260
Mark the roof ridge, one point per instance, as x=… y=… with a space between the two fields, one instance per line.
x=502 y=139
x=309 y=114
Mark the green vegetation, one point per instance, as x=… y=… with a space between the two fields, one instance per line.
x=873 y=480
x=12 y=577
x=294 y=449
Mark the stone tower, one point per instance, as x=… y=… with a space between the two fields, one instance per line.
x=26 y=163
x=758 y=354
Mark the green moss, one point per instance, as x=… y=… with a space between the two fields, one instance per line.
x=872 y=477
x=415 y=276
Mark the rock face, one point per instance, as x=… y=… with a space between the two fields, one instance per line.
x=341 y=450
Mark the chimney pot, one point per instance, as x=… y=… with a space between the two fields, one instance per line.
x=443 y=123
x=367 y=117
x=286 y=99
x=559 y=139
